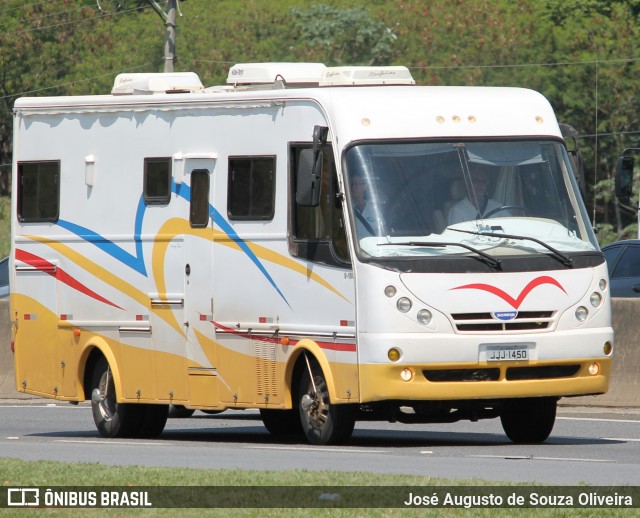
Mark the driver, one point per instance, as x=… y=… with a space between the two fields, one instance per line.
x=477 y=203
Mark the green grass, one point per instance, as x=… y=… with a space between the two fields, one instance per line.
x=5 y=226
x=50 y=474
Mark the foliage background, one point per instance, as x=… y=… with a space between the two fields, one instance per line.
x=582 y=55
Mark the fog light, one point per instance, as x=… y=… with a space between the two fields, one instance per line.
x=390 y=291
x=394 y=354
x=406 y=375
x=403 y=304
x=607 y=348
x=582 y=313
x=603 y=284
x=424 y=317
x=595 y=299
x=594 y=369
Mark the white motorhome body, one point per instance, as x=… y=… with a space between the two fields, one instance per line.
x=205 y=247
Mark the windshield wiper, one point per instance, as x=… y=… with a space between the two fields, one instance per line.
x=557 y=254
x=491 y=261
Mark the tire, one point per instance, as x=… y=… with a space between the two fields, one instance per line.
x=529 y=420
x=322 y=422
x=154 y=420
x=179 y=412
x=112 y=419
x=281 y=422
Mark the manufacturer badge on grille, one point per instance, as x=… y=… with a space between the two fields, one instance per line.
x=504 y=315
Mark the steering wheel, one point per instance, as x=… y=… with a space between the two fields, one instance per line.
x=520 y=208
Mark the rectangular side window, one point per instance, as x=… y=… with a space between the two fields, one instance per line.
x=251 y=194
x=38 y=191
x=157 y=181
x=199 y=206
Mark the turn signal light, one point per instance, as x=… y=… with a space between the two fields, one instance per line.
x=393 y=354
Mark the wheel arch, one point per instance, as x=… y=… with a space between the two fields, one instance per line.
x=297 y=363
x=94 y=350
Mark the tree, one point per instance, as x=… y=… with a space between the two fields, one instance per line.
x=345 y=36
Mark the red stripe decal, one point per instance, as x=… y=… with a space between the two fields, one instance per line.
x=515 y=303
x=349 y=348
x=46 y=267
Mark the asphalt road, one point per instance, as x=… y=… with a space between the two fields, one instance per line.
x=600 y=447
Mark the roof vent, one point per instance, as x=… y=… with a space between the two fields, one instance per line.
x=248 y=74
x=366 y=76
x=180 y=82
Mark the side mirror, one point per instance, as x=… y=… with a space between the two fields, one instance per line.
x=309 y=176
x=307 y=183
x=572 y=145
x=624 y=178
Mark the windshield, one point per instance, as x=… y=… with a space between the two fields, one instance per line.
x=439 y=198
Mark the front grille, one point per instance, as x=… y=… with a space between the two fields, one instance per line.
x=485 y=322
x=493 y=374
x=462 y=375
x=542 y=373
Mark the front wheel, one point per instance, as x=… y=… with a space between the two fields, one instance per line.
x=281 y=422
x=529 y=420
x=322 y=421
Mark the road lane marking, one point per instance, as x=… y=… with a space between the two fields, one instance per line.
x=311 y=448
x=619 y=439
x=531 y=457
x=635 y=421
x=100 y=441
x=51 y=405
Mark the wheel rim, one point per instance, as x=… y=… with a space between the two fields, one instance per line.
x=107 y=406
x=316 y=404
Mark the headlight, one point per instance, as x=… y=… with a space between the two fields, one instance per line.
x=424 y=317
x=582 y=313
x=403 y=304
x=390 y=291
x=595 y=299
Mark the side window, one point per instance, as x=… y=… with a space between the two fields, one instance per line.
x=629 y=264
x=251 y=192
x=318 y=233
x=38 y=191
x=199 y=205
x=157 y=181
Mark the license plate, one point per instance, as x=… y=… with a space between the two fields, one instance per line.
x=505 y=353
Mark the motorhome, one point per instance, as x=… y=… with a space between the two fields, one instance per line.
x=326 y=245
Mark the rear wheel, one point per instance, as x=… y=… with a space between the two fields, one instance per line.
x=179 y=411
x=112 y=419
x=529 y=420
x=154 y=420
x=322 y=421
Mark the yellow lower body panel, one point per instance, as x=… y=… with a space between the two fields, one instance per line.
x=385 y=382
